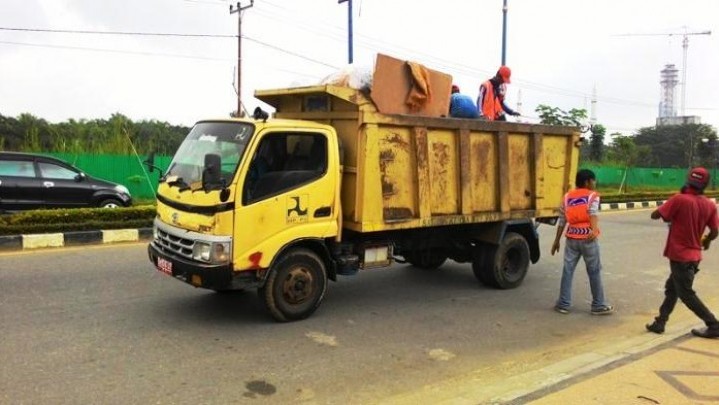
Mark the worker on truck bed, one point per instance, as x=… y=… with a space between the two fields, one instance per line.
x=461 y=105
x=490 y=103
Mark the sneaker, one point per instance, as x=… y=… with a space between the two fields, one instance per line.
x=656 y=327
x=709 y=333
x=605 y=310
x=561 y=310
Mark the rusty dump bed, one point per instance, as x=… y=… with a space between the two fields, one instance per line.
x=404 y=171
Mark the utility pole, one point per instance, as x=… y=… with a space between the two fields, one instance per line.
x=504 y=33
x=349 y=29
x=239 y=9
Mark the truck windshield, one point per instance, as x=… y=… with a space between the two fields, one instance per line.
x=226 y=139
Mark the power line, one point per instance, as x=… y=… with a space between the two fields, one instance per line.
x=83 y=48
x=141 y=53
x=466 y=69
x=128 y=33
x=289 y=52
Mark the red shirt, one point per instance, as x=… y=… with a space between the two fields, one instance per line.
x=689 y=215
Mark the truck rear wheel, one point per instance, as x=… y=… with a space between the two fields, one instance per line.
x=503 y=266
x=428 y=259
x=295 y=286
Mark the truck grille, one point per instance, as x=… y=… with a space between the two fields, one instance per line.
x=174 y=244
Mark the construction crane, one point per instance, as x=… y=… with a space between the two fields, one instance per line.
x=685 y=46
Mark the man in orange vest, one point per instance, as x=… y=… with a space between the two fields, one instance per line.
x=578 y=214
x=490 y=103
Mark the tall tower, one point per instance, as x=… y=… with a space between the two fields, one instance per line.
x=669 y=80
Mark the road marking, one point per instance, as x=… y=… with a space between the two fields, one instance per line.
x=441 y=355
x=671 y=378
x=70 y=249
x=322 y=339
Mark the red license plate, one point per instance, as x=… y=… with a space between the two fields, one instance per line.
x=164 y=266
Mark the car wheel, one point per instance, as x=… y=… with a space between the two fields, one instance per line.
x=110 y=203
x=295 y=286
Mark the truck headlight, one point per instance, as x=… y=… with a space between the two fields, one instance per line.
x=220 y=252
x=201 y=251
x=212 y=252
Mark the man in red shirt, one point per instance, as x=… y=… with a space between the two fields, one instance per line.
x=689 y=214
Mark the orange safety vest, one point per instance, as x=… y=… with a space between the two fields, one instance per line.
x=491 y=106
x=576 y=211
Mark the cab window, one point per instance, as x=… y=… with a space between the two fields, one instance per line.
x=284 y=161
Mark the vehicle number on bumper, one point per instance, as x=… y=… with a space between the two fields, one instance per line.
x=164 y=266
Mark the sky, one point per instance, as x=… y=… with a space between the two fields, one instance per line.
x=559 y=52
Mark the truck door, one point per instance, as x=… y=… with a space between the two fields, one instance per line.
x=288 y=193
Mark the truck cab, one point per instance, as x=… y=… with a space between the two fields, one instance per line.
x=237 y=192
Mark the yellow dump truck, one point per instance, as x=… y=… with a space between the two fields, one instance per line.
x=330 y=186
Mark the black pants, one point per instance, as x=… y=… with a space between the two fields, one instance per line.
x=679 y=286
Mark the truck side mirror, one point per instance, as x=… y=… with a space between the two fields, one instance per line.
x=150 y=162
x=211 y=176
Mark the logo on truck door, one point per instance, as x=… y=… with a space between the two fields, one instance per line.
x=297 y=209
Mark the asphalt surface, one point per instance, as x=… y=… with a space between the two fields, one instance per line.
x=100 y=325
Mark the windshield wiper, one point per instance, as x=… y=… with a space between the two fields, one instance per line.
x=177 y=181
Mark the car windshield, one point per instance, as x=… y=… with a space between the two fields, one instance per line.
x=226 y=139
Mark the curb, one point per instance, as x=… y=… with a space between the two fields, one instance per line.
x=636 y=205
x=78 y=238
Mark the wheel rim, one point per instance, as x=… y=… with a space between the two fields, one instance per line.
x=110 y=205
x=297 y=287
x=512 y=264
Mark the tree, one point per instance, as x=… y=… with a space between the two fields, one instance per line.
x=677 y=145
x=596 y=142
x=32 y=134
x=627 y=153
x=556 y=116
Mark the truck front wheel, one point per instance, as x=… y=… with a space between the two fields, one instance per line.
x=503 y=266
x=295 y=286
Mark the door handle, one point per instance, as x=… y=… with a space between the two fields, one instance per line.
x=48 y=184
x=323 y=212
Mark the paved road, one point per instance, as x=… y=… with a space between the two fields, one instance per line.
x=99 y=325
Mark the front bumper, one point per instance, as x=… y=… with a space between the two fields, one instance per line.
x=211 y=276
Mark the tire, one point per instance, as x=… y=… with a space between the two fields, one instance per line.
x=480 y=263
x=110 y=203
x=428 y=259
x=295 y=286
x=504 y=266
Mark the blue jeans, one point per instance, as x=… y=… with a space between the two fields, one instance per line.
x=589 y=250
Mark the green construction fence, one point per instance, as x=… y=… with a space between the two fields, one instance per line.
x=643 y=178
x=126 y=170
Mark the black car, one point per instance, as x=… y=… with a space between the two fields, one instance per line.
x=29 y=181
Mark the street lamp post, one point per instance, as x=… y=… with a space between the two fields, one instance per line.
x=504 y=32
x=350 y=52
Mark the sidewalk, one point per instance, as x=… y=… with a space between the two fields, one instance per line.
x=684 y=370
x=673 y=368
